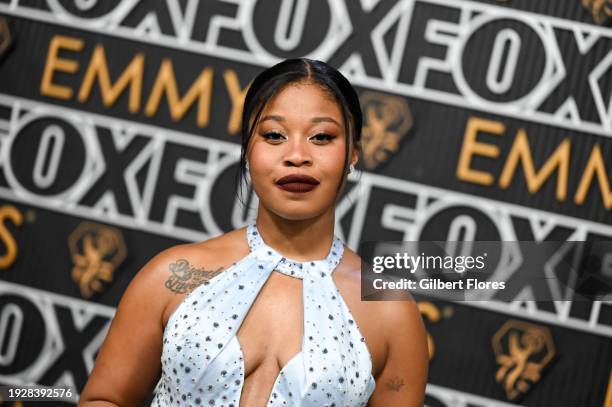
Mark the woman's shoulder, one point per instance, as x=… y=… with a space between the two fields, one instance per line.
x=177 y=270
x=215 y=252
x=348 y=277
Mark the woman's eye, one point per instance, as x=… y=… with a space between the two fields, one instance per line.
x=273 y=136
x=322 y=138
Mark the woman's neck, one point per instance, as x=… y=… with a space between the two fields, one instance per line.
x=300 y=240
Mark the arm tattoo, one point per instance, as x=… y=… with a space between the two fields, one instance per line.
x=395 y=384
x=185 y=278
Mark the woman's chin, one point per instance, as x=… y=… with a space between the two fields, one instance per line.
x=299 y=211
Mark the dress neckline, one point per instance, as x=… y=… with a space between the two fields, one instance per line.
x=333 y=363
x=290 y=267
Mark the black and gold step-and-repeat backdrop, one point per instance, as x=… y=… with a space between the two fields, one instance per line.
x=119 y=124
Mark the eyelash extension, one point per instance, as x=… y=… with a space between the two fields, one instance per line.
x=276 y=136
x=272 y=133
x=328 y=137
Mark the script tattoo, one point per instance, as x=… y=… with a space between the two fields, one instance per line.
x=395 y=384
x=185 y=278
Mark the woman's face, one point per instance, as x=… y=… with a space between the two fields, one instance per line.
x=296 y=153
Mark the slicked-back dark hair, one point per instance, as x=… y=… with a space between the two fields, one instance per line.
x=269 y=82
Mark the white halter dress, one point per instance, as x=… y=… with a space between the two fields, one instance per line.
x=203 y=363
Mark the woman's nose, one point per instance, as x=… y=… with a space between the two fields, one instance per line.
x=298 y=153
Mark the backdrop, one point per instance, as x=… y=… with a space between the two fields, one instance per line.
x=119 y=124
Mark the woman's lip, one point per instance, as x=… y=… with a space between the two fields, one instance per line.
x=297 y=187
x=303 y=178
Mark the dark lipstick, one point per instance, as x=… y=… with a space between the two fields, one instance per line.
x=297 y=183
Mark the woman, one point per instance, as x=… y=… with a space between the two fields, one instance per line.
x=233 y=321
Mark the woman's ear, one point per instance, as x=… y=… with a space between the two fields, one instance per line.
x=355 y=154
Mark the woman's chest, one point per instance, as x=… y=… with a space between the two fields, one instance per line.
x=273 y=332
x=254 y=337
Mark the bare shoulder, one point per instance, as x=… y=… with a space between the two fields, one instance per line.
x=348 y=276
x=176 y=271
x=186 y=266
x=122 y=376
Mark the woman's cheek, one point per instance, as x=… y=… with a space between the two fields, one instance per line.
x=335 y=166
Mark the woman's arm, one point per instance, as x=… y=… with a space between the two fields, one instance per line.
x=128 y=364
x=402 y=381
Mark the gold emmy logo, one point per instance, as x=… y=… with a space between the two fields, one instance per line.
x=96 y=251
x=387 y=119
x=608 y=399
x=522 y=350
x=601 y=9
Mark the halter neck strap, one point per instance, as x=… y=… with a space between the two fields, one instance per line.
x=291 y=267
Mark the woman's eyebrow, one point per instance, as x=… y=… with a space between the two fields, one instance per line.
x=272 y=117
x=317 y=119
x=324 y=119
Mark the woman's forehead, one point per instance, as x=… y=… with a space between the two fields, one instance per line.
x=303 y=97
